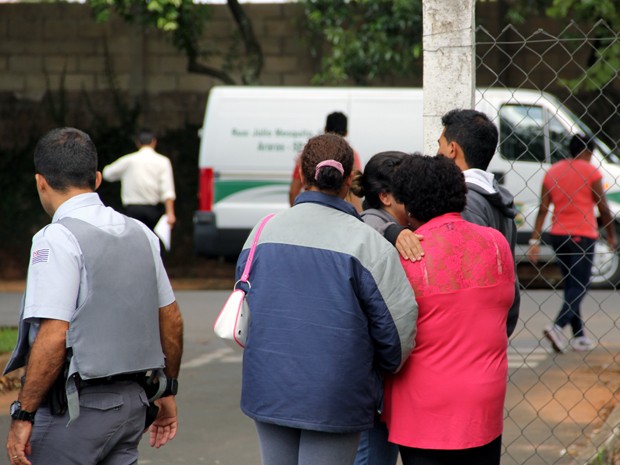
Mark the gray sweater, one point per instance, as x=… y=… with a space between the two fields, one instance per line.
x=382 y=222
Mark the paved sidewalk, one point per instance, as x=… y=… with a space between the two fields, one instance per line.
x=556 y=405
x=555 y=411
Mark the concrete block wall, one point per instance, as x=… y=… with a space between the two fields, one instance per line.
x=49 y=47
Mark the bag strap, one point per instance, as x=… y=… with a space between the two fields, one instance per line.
x=248 y=264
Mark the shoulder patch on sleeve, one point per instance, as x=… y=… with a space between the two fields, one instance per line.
x=40 y=256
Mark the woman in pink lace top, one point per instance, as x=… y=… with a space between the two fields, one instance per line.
x=446 y=404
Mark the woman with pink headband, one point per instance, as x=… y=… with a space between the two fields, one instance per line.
x=331 y=311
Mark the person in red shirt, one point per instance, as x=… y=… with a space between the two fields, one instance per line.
x=336 y=123
x=574 y=186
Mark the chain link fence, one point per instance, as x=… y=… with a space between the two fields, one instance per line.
x=542 y=88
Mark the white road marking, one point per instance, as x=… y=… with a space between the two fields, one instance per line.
x=517 y=358
x=526 y=357
x=209 y=357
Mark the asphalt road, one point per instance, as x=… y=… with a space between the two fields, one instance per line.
x=552 y=400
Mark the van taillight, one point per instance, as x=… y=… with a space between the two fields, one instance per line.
x=205 y=189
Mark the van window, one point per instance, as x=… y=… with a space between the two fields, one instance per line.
x=559 y=140
x=521 y=133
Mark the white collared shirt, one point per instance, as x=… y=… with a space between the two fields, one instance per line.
x=146 y=177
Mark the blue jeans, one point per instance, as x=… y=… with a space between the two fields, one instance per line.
x=374 y=448
x=574 y=255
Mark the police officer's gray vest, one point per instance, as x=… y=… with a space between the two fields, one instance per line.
x=116 y=330
x=22 y=347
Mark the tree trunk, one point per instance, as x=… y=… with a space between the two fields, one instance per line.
x=252 y=70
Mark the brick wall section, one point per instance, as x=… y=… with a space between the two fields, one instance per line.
x=48 y=46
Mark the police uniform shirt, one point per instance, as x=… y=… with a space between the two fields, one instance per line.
x=57 y=282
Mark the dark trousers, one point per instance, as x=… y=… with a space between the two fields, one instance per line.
x=148 y=214
x=489 y=454
x=574 y=256
x=374 y=447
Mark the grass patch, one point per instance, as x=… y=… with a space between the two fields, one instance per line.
x=8 y=338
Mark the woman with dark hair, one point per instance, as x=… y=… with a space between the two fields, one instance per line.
x=331 y=310
x=375 y=185
x=387 y=216
x=446 y=405
x=380 y=209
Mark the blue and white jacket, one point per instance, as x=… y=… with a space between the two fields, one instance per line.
x=330 y=308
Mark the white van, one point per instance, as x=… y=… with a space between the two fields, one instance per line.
x=252 y=135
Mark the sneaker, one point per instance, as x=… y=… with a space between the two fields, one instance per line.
x=557 y=338
x=582 y=344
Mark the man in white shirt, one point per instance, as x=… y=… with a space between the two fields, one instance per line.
x=147 y=185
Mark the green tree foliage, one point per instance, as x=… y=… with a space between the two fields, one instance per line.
x=360 y=40
x=184 y=21
x=603 y=16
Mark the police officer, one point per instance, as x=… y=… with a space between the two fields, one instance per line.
x=99 y=323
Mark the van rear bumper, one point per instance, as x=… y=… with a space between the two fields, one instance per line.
x=210 y=241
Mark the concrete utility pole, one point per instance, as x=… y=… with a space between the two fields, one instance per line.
x=449 y=62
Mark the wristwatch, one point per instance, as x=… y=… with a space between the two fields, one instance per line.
x=18 y=414
x=172 y=387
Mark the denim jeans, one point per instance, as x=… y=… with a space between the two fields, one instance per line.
x=575 y=255
x=374 y=448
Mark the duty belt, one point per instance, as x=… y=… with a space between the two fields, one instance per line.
x=137 y=377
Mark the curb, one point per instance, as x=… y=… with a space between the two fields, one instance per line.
x=181 y=284
x=12 y=285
